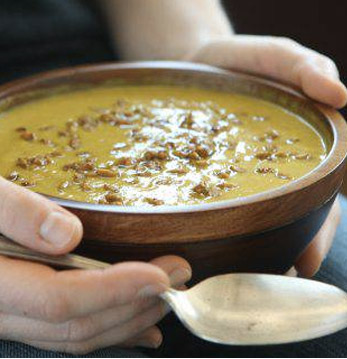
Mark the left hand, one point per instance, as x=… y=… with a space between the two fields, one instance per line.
x=287 y=61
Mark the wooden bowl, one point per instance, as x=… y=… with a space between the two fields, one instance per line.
x=265 y=232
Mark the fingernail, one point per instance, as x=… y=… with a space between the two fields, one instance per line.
x=58 y=229
x=150 y=290
x=180 y=276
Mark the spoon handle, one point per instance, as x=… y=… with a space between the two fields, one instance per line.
x=67 y=261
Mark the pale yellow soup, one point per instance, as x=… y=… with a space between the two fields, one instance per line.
x=154 y=145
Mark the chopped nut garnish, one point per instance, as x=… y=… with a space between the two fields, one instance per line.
x=280 y=154
x=21 y=129
x=13 y=176
x=303 y=156
x=203 y=151
x=238 y=169
x=62 y=134
x=110 y=187
x=63 y=185
x=26 y=183
x=36 y=161
x=114 y=198
x=75 y=143
x=154 y=201
x=22 y=162
x=180 y=154
x=222 y=174
x=263 y=155
x=28 y=136
x=46 y=141
x=86 y=187
x=125 y=161
x=273 y=134
x=201 y=188
x=160 y=155
x=179 y=171
x=56 y=154
x=103 y=172
x=264 y=170
x=290 y=141
x=71 y=126
x=194 y=156
x=188 y=121
x=225 y=185
x=78 y=177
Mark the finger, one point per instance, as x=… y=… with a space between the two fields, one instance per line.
x=310 y=261
x=23 y=328
x=60 y=296
x=281 y=59
x=36 y=222
x=150 y=338
x=114 y=336
x=177 y=268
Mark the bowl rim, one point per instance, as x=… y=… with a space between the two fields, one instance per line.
x=335 y=157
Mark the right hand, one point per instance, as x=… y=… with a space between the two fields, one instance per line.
x=75 y=311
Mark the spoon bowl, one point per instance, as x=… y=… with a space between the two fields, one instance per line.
x=258 y=309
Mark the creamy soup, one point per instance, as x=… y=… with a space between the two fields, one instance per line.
x=154 y=145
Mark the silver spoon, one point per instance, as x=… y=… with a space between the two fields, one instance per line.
x=238 y=309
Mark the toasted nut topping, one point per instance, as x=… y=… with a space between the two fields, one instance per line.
x=265 y=170
x=63 y=185
x=303 y=156
x=154 y=201
x=13 y=176
x=113 y=198
x=201 y=188
x=21 y=129
x=103 y=172
x=238 y=169
x=28 y=136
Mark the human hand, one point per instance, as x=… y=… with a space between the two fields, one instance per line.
x=280 y=58
x=75 y=311
x=285 y=60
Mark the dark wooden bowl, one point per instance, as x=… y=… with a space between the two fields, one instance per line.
x=265 y=232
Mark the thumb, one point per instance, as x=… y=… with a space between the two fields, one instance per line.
x=37 y=222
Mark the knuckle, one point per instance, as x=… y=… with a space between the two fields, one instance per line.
x=286 y=41
x=327 y=61
x=80 y=329
x=54 y=307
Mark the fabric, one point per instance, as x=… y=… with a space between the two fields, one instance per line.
x=39 y=35
x=18 y=350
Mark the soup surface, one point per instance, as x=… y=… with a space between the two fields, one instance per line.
x=154 y=145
